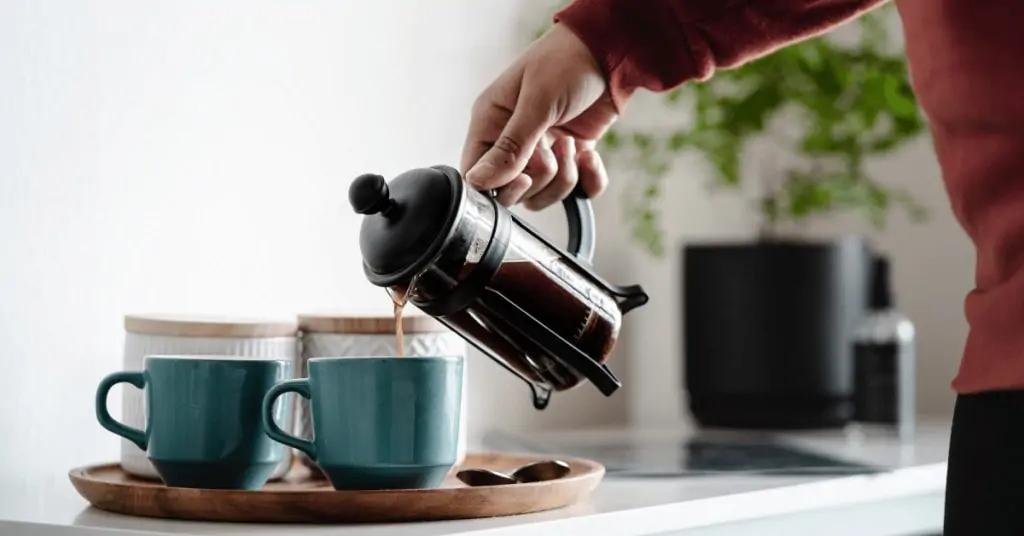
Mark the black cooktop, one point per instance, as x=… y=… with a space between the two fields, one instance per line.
x=694 y=456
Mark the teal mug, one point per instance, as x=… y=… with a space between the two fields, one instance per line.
x=378 y=422
x=203 y=419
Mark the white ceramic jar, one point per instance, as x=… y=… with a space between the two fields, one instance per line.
x=191 y=335
x=328 y=335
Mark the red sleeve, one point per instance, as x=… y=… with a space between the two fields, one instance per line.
x=660 y=44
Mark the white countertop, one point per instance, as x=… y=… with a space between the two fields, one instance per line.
x=620 y=506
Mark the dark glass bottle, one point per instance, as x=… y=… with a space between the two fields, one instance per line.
x=884 y=359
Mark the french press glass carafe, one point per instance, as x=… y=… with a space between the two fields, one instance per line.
x=459 y=256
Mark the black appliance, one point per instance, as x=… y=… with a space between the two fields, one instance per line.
x=768 y=328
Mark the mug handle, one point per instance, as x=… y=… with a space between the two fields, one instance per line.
x=300 y=387
x=138 y=379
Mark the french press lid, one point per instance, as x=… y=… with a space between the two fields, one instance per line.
x=408 y=223
x=410 y=219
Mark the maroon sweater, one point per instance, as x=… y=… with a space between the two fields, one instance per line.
x=966 y=60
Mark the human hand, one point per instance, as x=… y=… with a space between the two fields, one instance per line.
x=533 y=131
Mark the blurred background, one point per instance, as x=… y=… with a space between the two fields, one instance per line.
x=195 y=157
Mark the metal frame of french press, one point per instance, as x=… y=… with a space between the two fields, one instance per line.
x=475 y=290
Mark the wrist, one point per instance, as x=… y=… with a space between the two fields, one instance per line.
x=592 y=24
x=568 y=42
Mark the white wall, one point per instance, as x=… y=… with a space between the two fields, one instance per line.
x=193 y=156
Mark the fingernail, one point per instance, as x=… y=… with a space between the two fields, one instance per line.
x=477 y=176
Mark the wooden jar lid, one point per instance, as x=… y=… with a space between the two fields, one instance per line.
x=209 y=326
x=368 y=324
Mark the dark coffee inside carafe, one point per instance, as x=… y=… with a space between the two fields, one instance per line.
x=556 y=299
x=556 y=305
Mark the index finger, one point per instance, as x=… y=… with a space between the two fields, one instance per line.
x=485 y=125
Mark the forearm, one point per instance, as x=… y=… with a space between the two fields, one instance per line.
x=660 y=44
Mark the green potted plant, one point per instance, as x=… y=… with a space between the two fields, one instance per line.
x=767 y=320
x=852 y=103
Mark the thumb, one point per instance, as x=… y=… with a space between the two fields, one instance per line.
x=510 y=152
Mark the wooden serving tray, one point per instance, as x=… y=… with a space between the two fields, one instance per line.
x=304 y=496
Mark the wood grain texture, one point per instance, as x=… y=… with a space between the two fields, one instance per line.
x=210 y=326
x=301 y=497
x=369 y=324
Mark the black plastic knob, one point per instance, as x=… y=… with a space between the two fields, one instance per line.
x=368 y=194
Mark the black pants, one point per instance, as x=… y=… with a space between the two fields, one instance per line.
x=985 y=479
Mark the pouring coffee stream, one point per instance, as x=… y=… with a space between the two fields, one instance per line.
x=459 y=256
x=399 y=335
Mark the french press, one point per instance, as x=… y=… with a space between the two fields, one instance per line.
x=461 y=257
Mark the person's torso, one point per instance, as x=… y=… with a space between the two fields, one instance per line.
x=966 y=61
x=967 y=58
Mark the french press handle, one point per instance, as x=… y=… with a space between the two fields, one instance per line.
x=579 y=212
